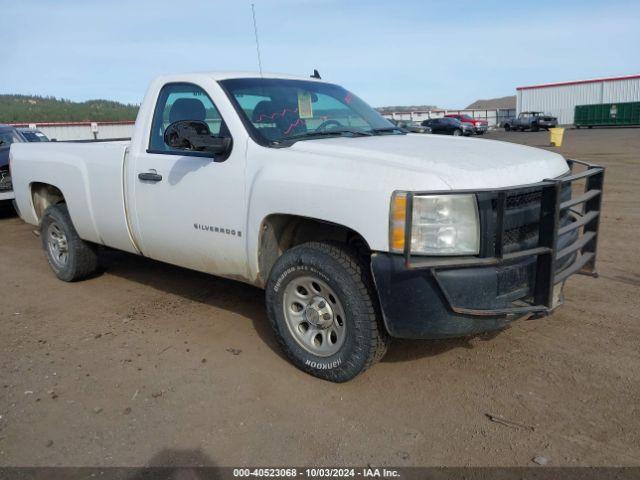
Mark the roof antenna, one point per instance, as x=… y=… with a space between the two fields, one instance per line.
x=255 y=31
x=316 y=74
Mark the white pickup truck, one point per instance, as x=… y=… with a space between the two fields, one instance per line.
x=357 y=230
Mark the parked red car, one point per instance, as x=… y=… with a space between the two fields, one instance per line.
x=479 y=126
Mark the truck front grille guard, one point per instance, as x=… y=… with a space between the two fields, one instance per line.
x=547 y=252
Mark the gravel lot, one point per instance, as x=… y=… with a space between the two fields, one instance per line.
x=149 y=364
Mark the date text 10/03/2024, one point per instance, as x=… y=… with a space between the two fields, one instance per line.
x=368 y=472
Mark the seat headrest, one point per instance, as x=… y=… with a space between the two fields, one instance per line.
x=264 y=112
x=187 y=109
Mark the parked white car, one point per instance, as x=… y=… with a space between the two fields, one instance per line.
x=357 y=230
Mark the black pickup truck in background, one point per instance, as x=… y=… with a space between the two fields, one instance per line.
x=8 y=135
x=533 y=121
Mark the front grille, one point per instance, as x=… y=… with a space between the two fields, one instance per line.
x=525 y=234
x=521 y=232
x=522 y=213
x=521 y=199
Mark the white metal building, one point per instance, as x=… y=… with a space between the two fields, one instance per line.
x=560 y=99
x=82 y=130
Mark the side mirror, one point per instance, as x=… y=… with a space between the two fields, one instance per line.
x=193 y=135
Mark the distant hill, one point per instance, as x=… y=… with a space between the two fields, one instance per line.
x=34 y=109
x=494 y=103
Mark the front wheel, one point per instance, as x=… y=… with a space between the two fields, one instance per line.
x=457 y=132
x=323 y=308
x=70 y=257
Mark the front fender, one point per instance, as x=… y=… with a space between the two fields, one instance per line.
x=365 y=212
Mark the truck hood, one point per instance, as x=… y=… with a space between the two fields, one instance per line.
x=461 y=163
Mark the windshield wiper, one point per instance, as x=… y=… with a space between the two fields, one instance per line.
x=388 y=129
x=326 y=133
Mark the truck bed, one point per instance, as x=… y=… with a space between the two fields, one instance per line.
x=91 y=177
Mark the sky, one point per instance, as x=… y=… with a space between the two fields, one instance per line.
x=392 y=52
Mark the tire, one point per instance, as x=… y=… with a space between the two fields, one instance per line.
x=353 y=336
x=70 y=257
x=457 y=132
x=507 y=127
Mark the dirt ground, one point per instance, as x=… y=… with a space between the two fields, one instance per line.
x=149 y=364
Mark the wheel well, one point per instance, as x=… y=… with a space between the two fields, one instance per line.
x=280 y=232
x=43 y=195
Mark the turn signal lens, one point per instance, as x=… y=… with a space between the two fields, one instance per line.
x=397 y=221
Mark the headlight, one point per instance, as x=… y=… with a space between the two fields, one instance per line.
x=441 y=224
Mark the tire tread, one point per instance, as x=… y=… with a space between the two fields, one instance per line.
x=378 y=339
x=83 y=255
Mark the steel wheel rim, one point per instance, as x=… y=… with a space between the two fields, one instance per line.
x=57 y=245
x=314 y=316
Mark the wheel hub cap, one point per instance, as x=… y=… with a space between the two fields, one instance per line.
x=319 y=313
x=314 y=315
x=57 y=245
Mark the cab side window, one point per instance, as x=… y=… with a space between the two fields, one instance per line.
x=183 y=101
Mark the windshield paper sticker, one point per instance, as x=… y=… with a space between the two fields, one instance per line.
x=304 y=105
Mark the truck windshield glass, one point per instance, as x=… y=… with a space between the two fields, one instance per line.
x=280 y=111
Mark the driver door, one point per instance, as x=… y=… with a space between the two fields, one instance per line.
x=188 y=207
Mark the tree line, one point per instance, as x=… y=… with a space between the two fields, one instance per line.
x=36 y=109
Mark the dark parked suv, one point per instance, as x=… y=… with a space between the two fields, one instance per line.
x=448 y=126
x=8 y=135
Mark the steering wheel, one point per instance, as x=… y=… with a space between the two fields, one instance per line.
x=327 y=123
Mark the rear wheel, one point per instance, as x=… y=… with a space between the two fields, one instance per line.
x=323 y=308
x=70 y=257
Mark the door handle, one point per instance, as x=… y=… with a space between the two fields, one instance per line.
x=150 y=176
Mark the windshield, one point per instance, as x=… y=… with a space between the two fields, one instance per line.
x=34 y=136
x=281 y=111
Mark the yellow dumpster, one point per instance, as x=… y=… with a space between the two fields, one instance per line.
x=556 y=135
